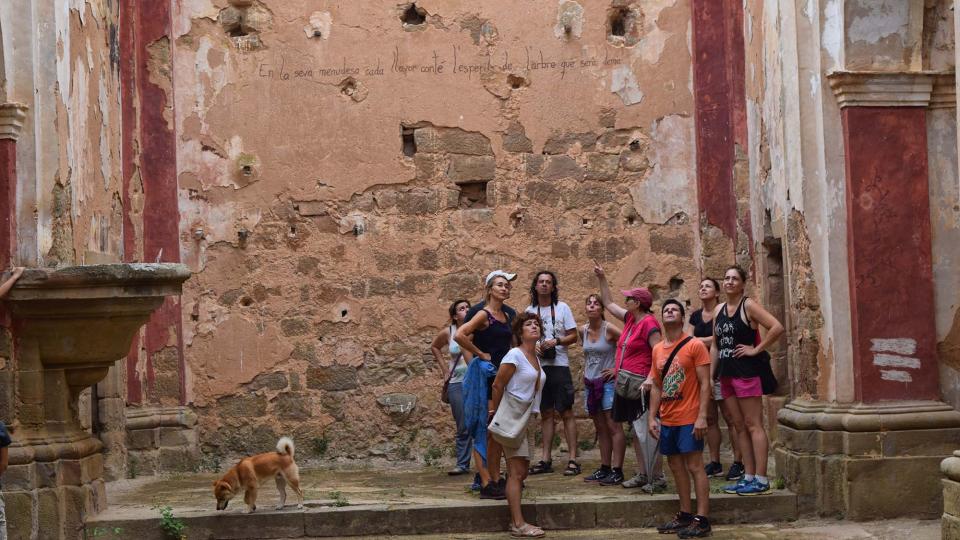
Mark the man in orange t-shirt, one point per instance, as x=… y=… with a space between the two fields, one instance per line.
x=681 y=393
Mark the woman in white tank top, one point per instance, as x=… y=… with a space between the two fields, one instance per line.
x=599 y=339
x=454 y=366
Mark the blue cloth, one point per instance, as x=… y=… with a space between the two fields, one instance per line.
x=455 y=391
x=4 y=436
x=475 y=399
x=679 y=440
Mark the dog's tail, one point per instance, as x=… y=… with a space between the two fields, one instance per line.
x=285 y=446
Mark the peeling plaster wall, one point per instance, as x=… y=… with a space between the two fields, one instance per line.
x=69 y=204
x=325 y=255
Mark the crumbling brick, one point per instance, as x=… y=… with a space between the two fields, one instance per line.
x=563 y=143
x=561 y=167
x=466 y=169
x=452 y=141
x=332 y=378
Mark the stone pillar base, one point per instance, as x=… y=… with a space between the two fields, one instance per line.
x=52 y=485
x=161 y=439
x=950 y=521
x=859 y=460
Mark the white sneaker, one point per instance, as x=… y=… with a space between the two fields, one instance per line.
x=638 y=480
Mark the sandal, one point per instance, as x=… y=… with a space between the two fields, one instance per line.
x=526 y=531
x=573 y=468
x=542 y=467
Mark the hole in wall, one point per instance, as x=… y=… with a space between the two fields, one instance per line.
x=413 y=15
x=473 y=195
x=516 y=219
x=634 y=145
x=343 y=314
x=246 y=301
x=620 y=18
x=516 y=81
x=246 y=170
x=348 y=87
x=317 y=33
x=631 y=220
x=675 y=284
x=409 y=141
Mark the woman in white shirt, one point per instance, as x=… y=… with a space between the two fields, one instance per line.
x=454 y=366
x=520 y=375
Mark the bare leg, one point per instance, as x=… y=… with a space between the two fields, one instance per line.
x=713 y=431
x=743 y=436
x=734 y=437
x=570 y=431
x=494 y=453
x=547 y=428
x=618 y=441
x=682 y=479
x=694 y=467
x=518 y=472
x=603 y=438
x=752 y=409
x=481 y=468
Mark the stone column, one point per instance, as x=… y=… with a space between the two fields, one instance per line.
x=858 y=459
x=950 y=521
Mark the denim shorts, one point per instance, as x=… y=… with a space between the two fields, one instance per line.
x=607 y=403
x=679 y=440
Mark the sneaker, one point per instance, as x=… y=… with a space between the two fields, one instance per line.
x=713 y=469
x=492 y=491
x=734 y=489
x=597 y=475
x=614 y=478
x=754 y=487
x=638 y=480
x=698 y=529
x=735 y=472
x=681 y=521
x=475 y=486
x=457 y=471
x=659 y=485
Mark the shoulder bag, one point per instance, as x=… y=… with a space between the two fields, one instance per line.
x=628 y=385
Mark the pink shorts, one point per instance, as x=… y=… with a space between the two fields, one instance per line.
x=741 y=388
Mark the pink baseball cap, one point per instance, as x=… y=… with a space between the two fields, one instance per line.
x=641 y=295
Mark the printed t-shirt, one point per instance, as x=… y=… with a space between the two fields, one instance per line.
x=633 y=348
x=679 y=389
x=555 y=329
x=523 y=384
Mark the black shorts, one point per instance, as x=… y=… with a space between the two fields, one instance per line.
x=557 y=390
x=626 y=410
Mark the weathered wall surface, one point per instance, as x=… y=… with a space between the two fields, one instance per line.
x=344 y=175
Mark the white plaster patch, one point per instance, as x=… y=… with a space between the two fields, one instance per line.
x=886 y=18
x=569 y=16
x=624 y=83
x=814 y=84
x=895 y=375
x=831 y=38
x=809 y=10
x=893 y=360
x=319 y=26
x=105 y=132
x=671 y=186
x=895 y=345
x=187 y=10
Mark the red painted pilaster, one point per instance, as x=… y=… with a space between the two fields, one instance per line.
x=8 y=201
x=149 y=163
x=720 y=109
x=889 y=250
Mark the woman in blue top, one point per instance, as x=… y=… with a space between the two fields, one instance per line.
x=454 y=367
x=487 y=335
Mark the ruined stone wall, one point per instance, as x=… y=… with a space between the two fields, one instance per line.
x=346 y=170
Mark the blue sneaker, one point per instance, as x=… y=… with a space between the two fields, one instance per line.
x=754 y=488
x=734 y=489
x=476 y=483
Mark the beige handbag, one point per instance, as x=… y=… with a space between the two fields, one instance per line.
x=509 y=424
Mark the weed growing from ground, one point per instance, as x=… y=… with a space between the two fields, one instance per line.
x=339 y=499
x=173 y=527
x=432 y=456
x=320 y=446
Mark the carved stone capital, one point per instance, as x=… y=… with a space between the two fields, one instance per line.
x=892 y=89
x=12 y=116
x=944 y=94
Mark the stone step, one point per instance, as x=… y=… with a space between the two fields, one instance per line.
x=320 y=519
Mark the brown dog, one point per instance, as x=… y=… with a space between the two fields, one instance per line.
x=250 y=472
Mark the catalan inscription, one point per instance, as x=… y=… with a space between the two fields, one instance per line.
x=448 y=63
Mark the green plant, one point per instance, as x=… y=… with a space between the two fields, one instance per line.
x=556 y=440
x=173 y=527
x=403 y=451
x=779 y=483
x=402 y=494
x=585 y=445
x=133 y=465
x=321 y=445
x=432 y=457
x=338 y=499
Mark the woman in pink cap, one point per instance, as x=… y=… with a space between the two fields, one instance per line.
x=634 y=355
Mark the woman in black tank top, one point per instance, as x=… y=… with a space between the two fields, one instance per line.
x=737 y=358
x=701 y=323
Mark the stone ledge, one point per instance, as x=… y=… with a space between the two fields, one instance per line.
x=482 y=516
x=890 y=89
x=860 y=417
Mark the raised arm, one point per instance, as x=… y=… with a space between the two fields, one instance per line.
x=774 y=329
x=605 y=296
x=465 y=332
x=436 y=348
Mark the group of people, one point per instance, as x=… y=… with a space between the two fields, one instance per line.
x=670 y=385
